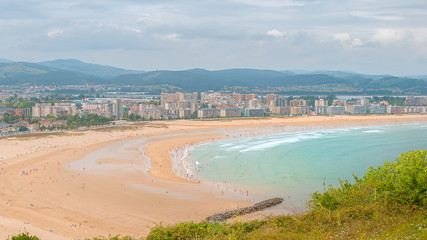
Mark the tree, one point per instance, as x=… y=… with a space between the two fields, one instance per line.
x=194 y=115
x=331 y=98
x=153 y=102
x=79 y=105
x=204 y=105
x=25 y=104
x=22 y=129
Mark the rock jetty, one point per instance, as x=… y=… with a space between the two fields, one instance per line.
x=242 y=211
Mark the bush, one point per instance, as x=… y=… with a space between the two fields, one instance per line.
x=24 y=236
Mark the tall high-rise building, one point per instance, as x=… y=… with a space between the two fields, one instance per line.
x=117 y=108
x=270 y=97
x=298 y=102
x=278 y=102
x=364 y=101
x=321 y=103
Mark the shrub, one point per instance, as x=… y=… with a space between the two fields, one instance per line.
x=24 y=236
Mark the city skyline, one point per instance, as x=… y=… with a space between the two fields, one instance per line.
x=381 y=37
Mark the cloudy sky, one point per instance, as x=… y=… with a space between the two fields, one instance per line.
x=367 y=36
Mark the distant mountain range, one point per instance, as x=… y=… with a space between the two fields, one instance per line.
x=75 y=72
x=73 y=65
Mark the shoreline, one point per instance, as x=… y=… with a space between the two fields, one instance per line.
x=73 y=204
x=179 y=154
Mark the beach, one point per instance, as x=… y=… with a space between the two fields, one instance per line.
x=49 y=189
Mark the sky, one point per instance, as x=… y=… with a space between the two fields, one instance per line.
x=366 y=36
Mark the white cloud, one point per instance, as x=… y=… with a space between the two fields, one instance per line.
x=132 y=29
x=385 y=36
x=356 y=42
x=385 y=16
x=276 y=33
x=271 y=3
x=342 y=36
x=347 y=40
x=172 y=37
x=55 y=33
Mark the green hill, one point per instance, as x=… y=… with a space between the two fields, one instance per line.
x=185 y=80
x=13 y=69
x=22 y=73
x=75 y=72
x=97 y=70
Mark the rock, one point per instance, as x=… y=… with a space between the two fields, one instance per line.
x=242 y=211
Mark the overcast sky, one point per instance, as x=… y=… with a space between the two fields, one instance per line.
x=367 y=36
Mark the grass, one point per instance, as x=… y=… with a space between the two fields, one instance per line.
x=368 y=222
x=389 y=202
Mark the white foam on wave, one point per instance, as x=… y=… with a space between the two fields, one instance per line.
x=218 y=157
x=343 y=130
x=226 y=145
x=373 y=131
x=236 y=147
x=275 y=142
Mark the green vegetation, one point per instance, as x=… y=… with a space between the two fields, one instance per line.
x=24 y=236
x=83 y=121
x=389 y=202
x=395 y=101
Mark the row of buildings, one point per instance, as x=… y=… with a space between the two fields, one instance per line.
x=216 y=104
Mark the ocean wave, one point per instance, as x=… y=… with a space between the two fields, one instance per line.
x=226 y=145
x=218 y=157
x=279 y=142
x=372 y=131
x=236 y=147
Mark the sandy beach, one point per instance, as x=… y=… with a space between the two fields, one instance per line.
x=53 y=187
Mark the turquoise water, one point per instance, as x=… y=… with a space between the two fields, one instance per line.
x=293 y=165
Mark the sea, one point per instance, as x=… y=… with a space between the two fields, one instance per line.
x=295 y=164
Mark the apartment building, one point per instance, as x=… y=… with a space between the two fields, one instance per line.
x=151 y=113
x=336 y=110
x=230 y=112
x=23 y=112
x=42 y=110
x=321 y=110
x=278 y=102
x=280 y=110
x=356 y=109
x=219 y=99
x=321 y=103
x=251 y=112
x=298 y=111
x=270 y=97
x=208 y=113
